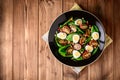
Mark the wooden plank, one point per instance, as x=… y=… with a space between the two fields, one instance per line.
x=6 y=20
x=82 y=3
x=49 y=67
x=116 y=39
x=107 y=18
x=9 y=28
x=69 y=74
x=23 y=22
x=31 y=39
x=42 y=44
x=67 y=5
x=91 y=6
x=18 y=40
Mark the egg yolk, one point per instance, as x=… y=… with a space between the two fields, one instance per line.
x=75 y=38
x=77 y=54
x=78 y=22
x=89 y=48
x=62 y=35
x=95 y=35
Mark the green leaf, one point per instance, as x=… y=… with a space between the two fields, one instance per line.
x=62 y=50
x=61 y=26
x=69 y=55
x=77 y=59
x=71 y=23
x=56 y=40
x=81 y=50
x=95 y=50
x=69 y=37
x=83 y=21
x=94 y=29
x=80 y=58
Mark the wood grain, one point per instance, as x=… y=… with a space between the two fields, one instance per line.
x=6 y=40
x=18 y=40
x=25 y=56
x=116 y=38
x=107 y=64
x=50 y=68
x=31 y=39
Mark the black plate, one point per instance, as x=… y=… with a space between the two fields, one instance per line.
x=92 y=19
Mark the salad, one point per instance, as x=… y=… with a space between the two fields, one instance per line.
x=77 y=39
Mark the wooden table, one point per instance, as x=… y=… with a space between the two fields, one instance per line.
x=25 y=56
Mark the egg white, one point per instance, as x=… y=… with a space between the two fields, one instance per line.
x=95 y=35
x=76 y=22
x=75 y=38
x=88 y=48
x=76 y=54
x=61 y=35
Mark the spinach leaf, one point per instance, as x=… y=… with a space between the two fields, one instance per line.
x=62 y=50
x=56 y=40
x=69 y=37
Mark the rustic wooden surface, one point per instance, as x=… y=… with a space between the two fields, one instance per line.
x=25 y=56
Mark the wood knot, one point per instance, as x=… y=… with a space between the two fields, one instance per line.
x=48 y=57
x=50 y=2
